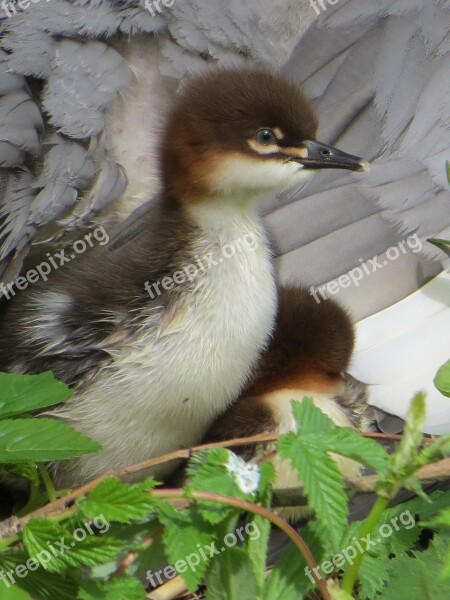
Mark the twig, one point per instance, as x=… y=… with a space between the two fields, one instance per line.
x=363 y=484
x=439 y=471
x=9 y=531
x=65 y=501
x=393 y=437
x=246 y=506
x=184 y=454
x=129 y=559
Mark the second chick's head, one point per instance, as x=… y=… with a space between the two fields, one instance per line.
x=236 y=133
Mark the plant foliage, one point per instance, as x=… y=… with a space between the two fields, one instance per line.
x=117 y=540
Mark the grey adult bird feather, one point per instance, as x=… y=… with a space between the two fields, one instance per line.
x=385 y=94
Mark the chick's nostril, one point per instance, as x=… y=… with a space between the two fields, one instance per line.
x=326 y=152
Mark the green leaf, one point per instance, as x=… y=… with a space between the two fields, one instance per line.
x=55 y=547
x=38 y=534
x=442 y=379
x=257 y=532
x=267 y=476
x=219 y=471
x=441 y=545
x=348 y=442
x=446 y=571
x=136 y=532
x=117 y=589
x=188 y=540
x=258 y=528
x=440 y=448
x=442 y=518
x=413 y=484
x=424 y=509
x=231 y=577
x=40 y=584
x=41 y=440
x=150 y=562
x=373 y=575
x=353 y=530
x=412 y=436
x=27 y=393
x=311 y=419
x=405 y=460
x=410 y=570
x=445 y=574
x=322 y=482
x=407 y=521
x=447 y=170
x=289 y=579
x=29 y=470
x=421 y=571
x=443 y=244
x=402 y=540
x=13 y=593
x=92 y=551
x=404 y=521
x=118 y=501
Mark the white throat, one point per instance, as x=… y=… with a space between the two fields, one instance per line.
x=246 y=176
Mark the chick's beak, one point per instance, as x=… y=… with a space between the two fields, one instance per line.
x=322 y=156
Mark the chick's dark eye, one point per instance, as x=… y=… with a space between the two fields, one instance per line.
x=266 y=137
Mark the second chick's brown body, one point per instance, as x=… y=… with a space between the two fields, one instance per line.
x=307 y=357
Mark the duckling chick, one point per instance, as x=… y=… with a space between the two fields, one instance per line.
x=307 y=357
x=159 y=330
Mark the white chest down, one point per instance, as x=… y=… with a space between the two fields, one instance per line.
x=163 y=390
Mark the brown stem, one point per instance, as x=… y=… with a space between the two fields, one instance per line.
x=65 y=501
x=247 y=506
x=438 y=471
x=61 y=505
x=129 y=559
x=394 y=437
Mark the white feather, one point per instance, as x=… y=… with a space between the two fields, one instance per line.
x=400 y=350
x=163 y=391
